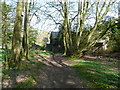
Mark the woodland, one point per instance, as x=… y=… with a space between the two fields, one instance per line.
x=60 y=44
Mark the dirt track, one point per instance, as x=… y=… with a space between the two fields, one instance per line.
x=57 y=73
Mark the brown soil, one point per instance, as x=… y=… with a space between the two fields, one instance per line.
x=56 y=73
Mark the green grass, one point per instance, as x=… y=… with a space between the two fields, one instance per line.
x=0 y=55
x=96 y=74
x=110 y=59
x=24 y=69
x=33 y=52
x=71 y=58
x=3 y=53
x=41 y=52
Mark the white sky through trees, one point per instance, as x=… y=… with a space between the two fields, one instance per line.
x=43 y=23
x=48 y=25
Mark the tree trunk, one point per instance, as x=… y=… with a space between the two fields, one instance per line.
x=6 y=56
x=16 y=40
x=5 y=30
x=25 y=34
x=78 y=46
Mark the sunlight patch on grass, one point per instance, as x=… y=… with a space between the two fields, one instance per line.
x=73 y=59
x=99 y=76
x=34 y=52
x=31 y=58
x=46 y=52
x=41 y=52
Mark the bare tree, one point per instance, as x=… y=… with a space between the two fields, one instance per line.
x=25 y=42
x=16 y=40
x=76 y=46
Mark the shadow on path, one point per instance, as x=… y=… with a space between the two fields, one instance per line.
x=56 y=74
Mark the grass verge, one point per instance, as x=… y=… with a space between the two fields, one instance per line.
x=96 y=74
x=26 y=75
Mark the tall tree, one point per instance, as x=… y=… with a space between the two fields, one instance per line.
x=66 y=27
x=25 y=42
x=16 y=40
x=80 y=42
x=5 y=27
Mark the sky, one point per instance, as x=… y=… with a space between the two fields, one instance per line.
x=48 y=25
